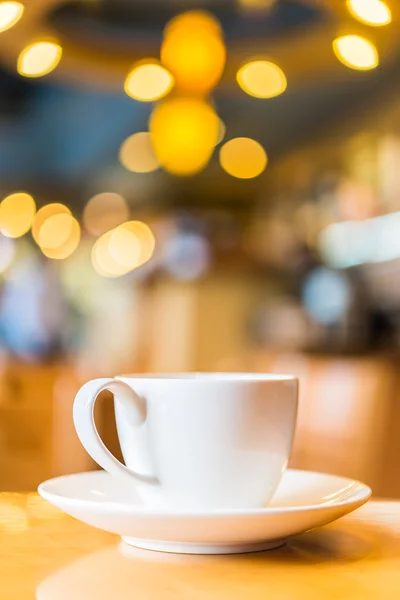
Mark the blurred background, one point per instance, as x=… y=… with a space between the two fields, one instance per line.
x=209 y=185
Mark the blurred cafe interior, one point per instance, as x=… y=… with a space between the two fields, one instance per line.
x=209 y=185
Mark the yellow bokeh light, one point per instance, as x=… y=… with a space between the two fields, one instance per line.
x=104 y=212
x=243 y=158
x=55 y=231
x=64 y=228
x=371 y=12
x=184 y=132
x=148 y=82
x=195 y=54
x=194 y=19
x=10 y=14
x=221 y=131
x=123 y=249
x=17 y=212
x=261 y=79
x=44 y=213
x=137 y=153
x=102 y=260
x=143 y=236
x=356 y=52
x=38 y=59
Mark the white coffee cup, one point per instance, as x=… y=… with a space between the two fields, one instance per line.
x=196 y=440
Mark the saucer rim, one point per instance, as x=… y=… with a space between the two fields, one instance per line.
x=360 y=496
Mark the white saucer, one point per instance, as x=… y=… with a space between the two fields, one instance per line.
x=303 y=501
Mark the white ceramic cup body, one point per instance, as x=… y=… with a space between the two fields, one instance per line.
x=199 y=441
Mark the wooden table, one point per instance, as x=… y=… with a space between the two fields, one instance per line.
x=49 y=556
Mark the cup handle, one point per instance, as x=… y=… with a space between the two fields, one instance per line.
x=85 y=426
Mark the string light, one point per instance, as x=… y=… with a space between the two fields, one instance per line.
x=104 y=212
x=356 y=52
x=17 y=212
x=370 y=12
x=184 y=132
x=38 y=59
x=243 y=158
x=194 y=52
x=10 y=14
x=137 y=153
x=148 y=82
x=261 y=79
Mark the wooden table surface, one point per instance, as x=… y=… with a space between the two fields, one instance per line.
x=49 y=556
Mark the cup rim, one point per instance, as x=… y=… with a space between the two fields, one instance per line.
x=211 y=377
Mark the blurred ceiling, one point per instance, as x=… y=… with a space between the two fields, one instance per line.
x=60 y=135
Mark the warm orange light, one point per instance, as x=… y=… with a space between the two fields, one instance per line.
x=104 y=212
x=44 y=213
x=148 y=82
x=55 y=231
x=356 y=52
x=10 y=14
x=243 y=158
x=123 y=249
x=194 y=19
x=194 y=54
x=370 y=12
x=261 y=79
x=17 y=212
x=137 y=153
x=184 y=132
x=132 y=233
x=221 y=131
x=38 y=59
x=63 y=233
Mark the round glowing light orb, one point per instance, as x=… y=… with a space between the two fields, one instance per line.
x=195 y=55
x=356 y=52
x=102 y=261
x=184 y=132
x=44 y=213
x=261 y=79
x=104 y=212
x=134 y=233
x=194 y=19
x=370 y=12
x=148 y=82
x=123 y=249
x=10 y=14
x=38 y=59
x=64 y=228
x=243 y=158
x=17 y=212
x=55 y=231
x=137 y=153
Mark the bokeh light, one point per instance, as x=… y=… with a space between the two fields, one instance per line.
x=184 y=132
x=261 y=79
x=17 y=212
x=371 y=12
x=55 y=231
x=64 y=228
x=194 y=52
x=221 y=132
x=44 y=213
x=137 y=153
x=356 y=52
x=10 y=14
x=38 y=59
x=123 y=249
x=186 y=255
x=7 y=252
x=326 y=295
x=148 y=82
x=104 y=212
x=243 y=158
